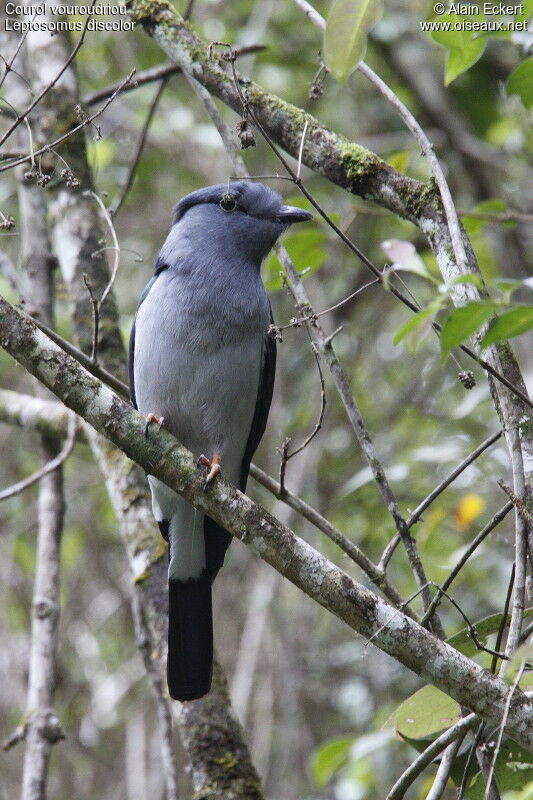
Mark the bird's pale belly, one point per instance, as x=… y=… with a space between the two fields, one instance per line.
x=206 y=394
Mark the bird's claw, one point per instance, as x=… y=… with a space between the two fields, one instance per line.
x=152 y=418
x=214 y=469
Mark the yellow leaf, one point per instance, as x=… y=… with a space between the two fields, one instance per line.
x=469 y=509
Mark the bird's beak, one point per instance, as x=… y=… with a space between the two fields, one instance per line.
x=289 y=214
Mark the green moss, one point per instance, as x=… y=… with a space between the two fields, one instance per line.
x=151 y=12
x=357 y=161
x=228 y=761
x=419 y=196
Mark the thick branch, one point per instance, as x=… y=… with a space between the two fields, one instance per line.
x=162 y=456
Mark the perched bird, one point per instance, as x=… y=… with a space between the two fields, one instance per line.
x=201 y=362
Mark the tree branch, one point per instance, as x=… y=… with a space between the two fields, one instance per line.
x=162 y=456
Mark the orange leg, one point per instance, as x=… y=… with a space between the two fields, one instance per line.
x=214 y=468
x=152 y=418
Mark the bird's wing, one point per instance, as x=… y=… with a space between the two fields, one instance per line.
x=217 y=540
x=262 y=405
x=131 y=348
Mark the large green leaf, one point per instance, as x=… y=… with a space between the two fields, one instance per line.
x=413 y=323
x=513 y=772
x=463 y=49
x=425 y=714
x=510 y=324
x=462 y=322
x=520 y=82
x=485 y=627
x=346 y=34
x=329 y=758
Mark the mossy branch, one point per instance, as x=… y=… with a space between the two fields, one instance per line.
x=161 y=455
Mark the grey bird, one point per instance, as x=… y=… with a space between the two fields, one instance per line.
x=201 y=362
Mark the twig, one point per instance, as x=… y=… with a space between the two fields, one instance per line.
x=356 y=420
x=158 y=73
x=53 y=82
x=9 y=64
x=424 y=759
x=164 y=716
x=497 y=518
x=96 y=319
x=471 y=628
x=86 y=121
x=517 y=502
x=140 y=147
x=417 y=513
x=300 y=153
x=19 y=487
x=443 y=772
x=284 y=452
x=521 y=541
x=502 y=727
x=116 y=248
x=296 y=323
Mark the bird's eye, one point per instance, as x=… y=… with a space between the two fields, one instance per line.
x=228 y=202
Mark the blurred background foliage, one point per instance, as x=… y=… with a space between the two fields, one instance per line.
x=319 y=696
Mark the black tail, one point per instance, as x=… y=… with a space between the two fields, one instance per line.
x=190 y=638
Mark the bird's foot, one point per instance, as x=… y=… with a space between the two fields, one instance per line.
x=152 y=418
x=214 y=468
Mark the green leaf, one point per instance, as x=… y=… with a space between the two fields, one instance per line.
x=345 y=37
x=485 y=627
x=493 y=206
x=306 y=251
x=513 y=323
x=399 y=161
x=425 y=714
x=520 y=82
x=412 y=323
x=463 y=49
x=513 y=772
x=329 y=759
x=463 y=322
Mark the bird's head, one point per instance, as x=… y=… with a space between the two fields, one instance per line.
x=244 y=217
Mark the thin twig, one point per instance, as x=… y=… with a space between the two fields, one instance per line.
x=116 y=248
x=19 y=487
x=521 y=531
x=443 y=772
x=517 y=502
x=156 y=74
x=96 y=319
x=53 y=82
x=300 y=153
x=86 y=121
x=501 y=730
x=417 y=513
x=140 y=147
x=9 y=64
x=284 y=452
x=296 y=323
x=424 y=759
x=497 y=518
x=471 y=628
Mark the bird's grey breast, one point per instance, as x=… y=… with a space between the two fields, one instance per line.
x=198 y=355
